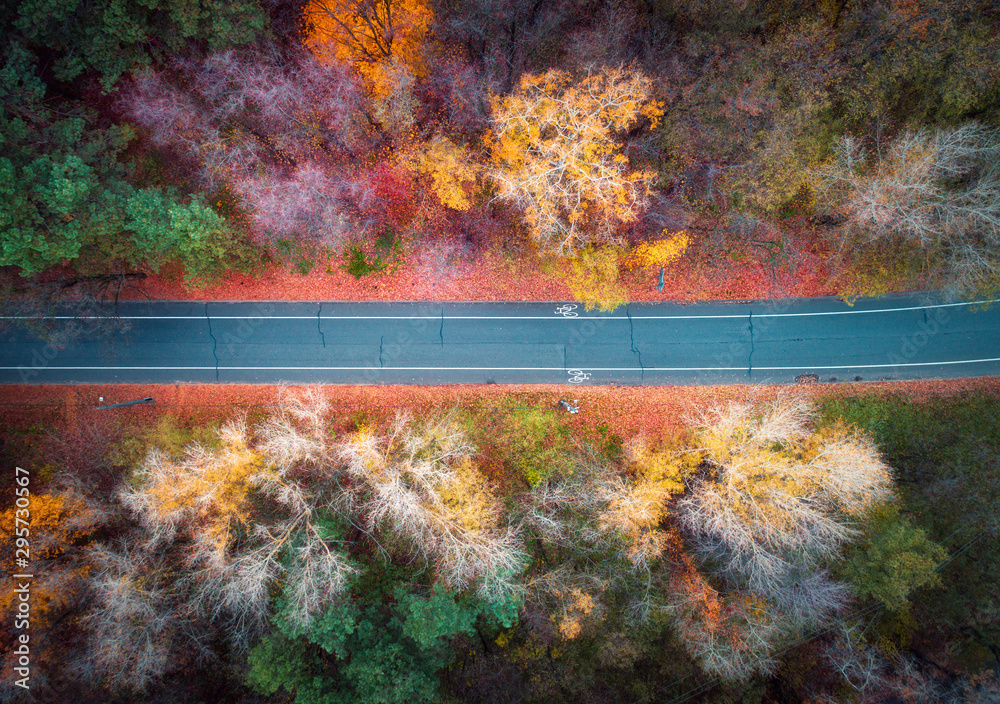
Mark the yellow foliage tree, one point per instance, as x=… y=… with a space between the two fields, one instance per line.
x=449 y=169
x=208 y=489
x=660 y=253
x=206 y=499
x=578 y=605
x=555 y=154
x=421 y=481
x=635 y=509
x=592 y=276
x=373 y=35
x=207 y=505
x=784 y=498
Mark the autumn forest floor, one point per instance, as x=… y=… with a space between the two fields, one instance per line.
x=798 y=264
x=624 y=411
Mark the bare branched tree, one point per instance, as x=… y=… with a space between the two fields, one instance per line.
x=419 y=480
x=601 y=531
x=777 y=508
x=296 y=439
x=203 y=502
x=774 y=509
x=634 y=511
x=207 y=487
x=733 y=636
x=936 y=190
x=133 y=622
x=861 y=665
x=234 y=558
x=746 y=649
x=281 y=131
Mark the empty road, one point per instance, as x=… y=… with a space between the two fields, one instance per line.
x=910 y=336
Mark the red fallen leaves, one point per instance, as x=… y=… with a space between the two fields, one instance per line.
x=393 y=196
x=624 y=410
x=740 y=272
x=491 y=277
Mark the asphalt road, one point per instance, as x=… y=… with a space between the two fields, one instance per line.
x=911 y=336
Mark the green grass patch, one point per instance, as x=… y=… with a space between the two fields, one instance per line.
x=538 y=444
x=168 y=435
x=385 y=253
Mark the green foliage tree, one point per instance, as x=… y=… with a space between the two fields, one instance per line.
x=45 y=209
x=381 y=653
x=945 y=453
x=65 y=194
x=893 y=559
x=429 y=618
x=279 y=661
x=113 y=37
x=163 y=228
x=537 y=444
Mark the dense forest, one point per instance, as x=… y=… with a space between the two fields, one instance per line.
x=772 y=551
x=844 y=550
x=596 y=138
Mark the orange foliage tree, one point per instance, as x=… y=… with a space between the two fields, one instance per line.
x=372 y=34
x=58 y=521
x=732 y=635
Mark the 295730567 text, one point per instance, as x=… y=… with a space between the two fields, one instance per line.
x=22 y=578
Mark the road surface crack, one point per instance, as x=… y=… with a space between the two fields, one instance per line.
x=318 y=325
x=635 y=350
x=380 y=341
x=750 y=359
x=441 y=331
x=215 y=343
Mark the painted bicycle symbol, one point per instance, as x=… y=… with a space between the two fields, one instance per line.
x=577 y=375
x=567 y=310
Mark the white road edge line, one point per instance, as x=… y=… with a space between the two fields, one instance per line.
x=554 y=316
x=529 y=369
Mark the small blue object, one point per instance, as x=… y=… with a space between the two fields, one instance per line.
x=148 y=399
x=659 y=286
